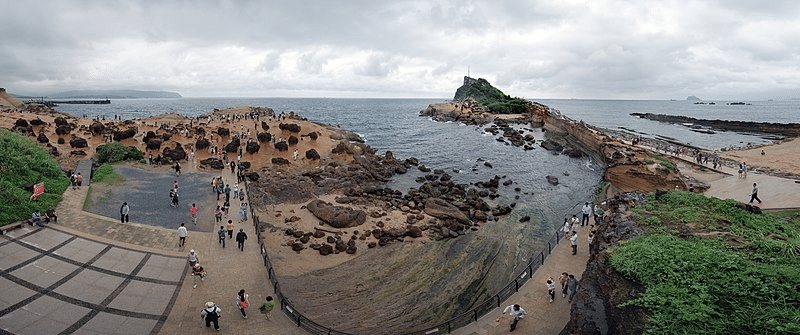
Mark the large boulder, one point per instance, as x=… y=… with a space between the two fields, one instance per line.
x=78 y=142
x=281 y=146
x=312 y=135
x=37 y=122
x=21 y=123
x=312 y=154
x=253 y=147
x=252 y=176
x=292 y=127
x=336 y=216
x=125 y=134
x=60 y=121
x=264 y=137
x=552 y=146
x=264 y=126
x=440 y=208
x=201 y=144
x=223 y=131
x=97 y=128
x=233 y=146
x=213 y=163
x=293 y=140
x=175 y=154
x=153 y=144
x=42 y=138
x=63 y=130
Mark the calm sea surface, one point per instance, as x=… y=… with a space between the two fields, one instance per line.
x=394 y=124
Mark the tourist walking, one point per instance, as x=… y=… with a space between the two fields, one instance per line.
x=516 y=313
x=586 y=210
x=551 y=288
x=566 y=228
x=123 y=212
x=229 y=229
x=177 y=169
x=267 y=307
x=79 y=180
x=574 y=241
x=241 y=195
x=73 y=181
x=211 y=314
x=242 y=303
x=572 y=286
x=243 y=212
x=174 y=198
x=182 y=233
x=241 y=236
x=198 y=271
x=221 y=233
x=236 y=191
x=590 y=239
x=754 y=194
x=193 y=211
x=218 y=214
x=193 y=258
x=227 y=191
x=598 y=215
x=574 y=223
x=563 y=279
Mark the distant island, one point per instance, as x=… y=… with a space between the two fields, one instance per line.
x=693 y=98
x=109 y=94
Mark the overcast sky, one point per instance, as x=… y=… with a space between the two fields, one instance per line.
x=606 y=49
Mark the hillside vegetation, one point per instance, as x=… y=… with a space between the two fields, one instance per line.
x=24 y=163
x=490 y=97
x=712 y=268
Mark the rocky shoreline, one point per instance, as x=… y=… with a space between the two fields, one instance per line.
x=781 y=129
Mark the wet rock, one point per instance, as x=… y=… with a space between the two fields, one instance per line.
x=439 y=208
x=525 y=218
x=336 y=216
x=78 y=142
x=312 y=154
x=574 y=153
x=552 y=146
x=552 y=180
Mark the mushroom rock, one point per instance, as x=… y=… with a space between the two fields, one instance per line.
x=125 y=134
x=213 y=163
x=336 y=216
x=60 y=140
x=97 y=128
x=281 y=146
x=42 y=138
x=313 y=136
x=63 y=130
x=292 y=127
x=264 y=125
x=60 y=121
x=21 y=123
x=153 y=144
x=223 y=131
x=312 y=154
x=175 y=154
x=201 y=144
x=293 y=140
x=78 y=142
x=253 y=147
x=37 y=122
x=264 y=137
x=233 y=146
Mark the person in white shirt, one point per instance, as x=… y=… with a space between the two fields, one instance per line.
x=574 y=240
x=551 y=288
x=586 y=210
x=516 y=314
x=182 y=233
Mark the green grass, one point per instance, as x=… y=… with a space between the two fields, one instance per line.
x=24 y=162
x=115 y=152
x=743 y=282
x=106 y=174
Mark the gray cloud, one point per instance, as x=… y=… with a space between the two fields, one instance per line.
x=612 y=49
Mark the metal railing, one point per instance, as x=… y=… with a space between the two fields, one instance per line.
x=446 y=327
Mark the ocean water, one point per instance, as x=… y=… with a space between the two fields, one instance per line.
x=395 y=124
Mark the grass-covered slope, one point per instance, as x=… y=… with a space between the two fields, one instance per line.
x=490 y=97
x=23 y=162
x=712 y=268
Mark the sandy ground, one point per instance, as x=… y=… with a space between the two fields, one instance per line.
x=784 y=156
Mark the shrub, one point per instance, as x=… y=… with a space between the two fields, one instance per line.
x=23 y=162
x=106 y=173
x=115 y=152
